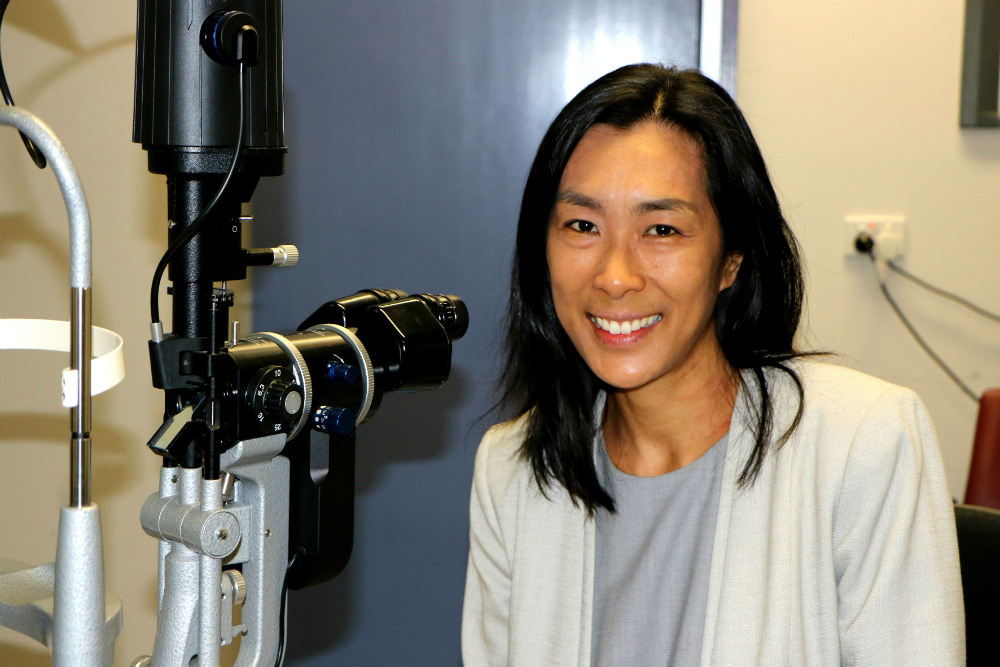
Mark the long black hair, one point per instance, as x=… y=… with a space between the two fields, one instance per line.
x=755 y=318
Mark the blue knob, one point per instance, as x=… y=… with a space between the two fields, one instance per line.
x=338 y=421
x=340 y=373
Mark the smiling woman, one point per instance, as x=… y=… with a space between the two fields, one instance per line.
x=679 y=485
x=680 y=136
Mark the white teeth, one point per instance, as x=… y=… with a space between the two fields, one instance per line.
x=615 y=328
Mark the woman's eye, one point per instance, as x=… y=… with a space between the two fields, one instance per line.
x=581 y=226
x=661 y=230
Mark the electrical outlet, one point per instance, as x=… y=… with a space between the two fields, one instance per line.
x=874 y=225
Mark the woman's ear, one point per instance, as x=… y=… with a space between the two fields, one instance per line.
x=730 y=268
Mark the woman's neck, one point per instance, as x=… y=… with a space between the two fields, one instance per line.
x=667 y=424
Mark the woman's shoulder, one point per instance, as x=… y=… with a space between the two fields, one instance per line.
x=829 y=386
x=499 y=457
x=851 y=413
x=505 y=438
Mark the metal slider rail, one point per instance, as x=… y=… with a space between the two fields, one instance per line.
x=81 y=632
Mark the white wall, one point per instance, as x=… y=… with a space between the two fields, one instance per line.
x=856 y=104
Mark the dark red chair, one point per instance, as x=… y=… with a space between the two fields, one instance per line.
x=984 y=472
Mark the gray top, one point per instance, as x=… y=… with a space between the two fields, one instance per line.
x=652 y=562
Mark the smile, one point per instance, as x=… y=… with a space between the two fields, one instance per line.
x=624 y=328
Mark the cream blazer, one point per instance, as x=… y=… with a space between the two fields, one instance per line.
x=843 y=552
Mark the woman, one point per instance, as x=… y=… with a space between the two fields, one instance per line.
x=679 y=486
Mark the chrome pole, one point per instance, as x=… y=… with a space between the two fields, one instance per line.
x=80 y=416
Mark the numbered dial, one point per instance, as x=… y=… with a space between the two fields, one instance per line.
x=275 y=398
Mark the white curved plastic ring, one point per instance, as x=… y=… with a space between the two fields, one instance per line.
x=107 y=368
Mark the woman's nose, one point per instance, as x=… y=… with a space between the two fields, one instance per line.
x=619 y=272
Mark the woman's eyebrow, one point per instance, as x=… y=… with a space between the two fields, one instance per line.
x=577 y=199
x=665 y=204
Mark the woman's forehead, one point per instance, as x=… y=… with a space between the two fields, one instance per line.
x=649 y=161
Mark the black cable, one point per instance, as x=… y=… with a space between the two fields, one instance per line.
x=282 y=621
x=942 y=293
x=195 y=227
x=36 y=155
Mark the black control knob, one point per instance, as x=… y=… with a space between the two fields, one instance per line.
x=275 y=398
x=282 y=400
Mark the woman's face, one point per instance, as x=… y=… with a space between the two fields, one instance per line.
x=635 y=256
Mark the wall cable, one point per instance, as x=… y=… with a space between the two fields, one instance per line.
x=920 y=341
x=943 y=293
x=917 y=337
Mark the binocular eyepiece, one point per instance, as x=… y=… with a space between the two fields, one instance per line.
x=332 y=372
x=329 y=375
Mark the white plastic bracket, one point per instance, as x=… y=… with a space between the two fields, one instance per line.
x=107 y=367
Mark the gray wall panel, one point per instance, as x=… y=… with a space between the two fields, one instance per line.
x=411 y=126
